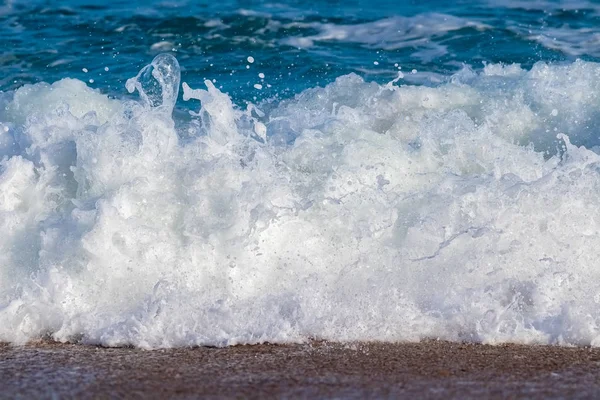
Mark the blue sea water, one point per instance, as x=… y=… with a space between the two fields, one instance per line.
x=178 y=173
x=296 y=44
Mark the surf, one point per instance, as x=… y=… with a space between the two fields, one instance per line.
x=463 y=211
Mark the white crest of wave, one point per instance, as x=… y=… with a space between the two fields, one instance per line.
x=390 y=33
x=350 y=212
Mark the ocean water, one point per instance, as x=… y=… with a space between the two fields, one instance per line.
x=213 y=173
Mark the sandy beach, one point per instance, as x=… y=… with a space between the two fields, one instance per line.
x=326 y=370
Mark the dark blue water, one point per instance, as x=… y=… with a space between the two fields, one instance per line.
x=295 y=44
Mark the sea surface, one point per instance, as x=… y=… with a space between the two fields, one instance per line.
x=179 y=173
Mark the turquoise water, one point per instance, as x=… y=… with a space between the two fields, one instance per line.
x=295 y=45
x=194 y=173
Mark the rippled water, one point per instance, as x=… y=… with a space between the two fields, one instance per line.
x=179 y=174
x=294 y=45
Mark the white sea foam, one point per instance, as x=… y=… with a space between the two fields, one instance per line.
x=350 y=212
x=568 y=40
x=389 y=33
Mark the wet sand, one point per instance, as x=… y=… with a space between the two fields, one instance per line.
x=360 y=370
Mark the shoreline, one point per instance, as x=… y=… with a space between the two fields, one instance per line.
x=430 y=369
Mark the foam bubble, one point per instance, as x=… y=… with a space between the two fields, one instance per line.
x=464 y=211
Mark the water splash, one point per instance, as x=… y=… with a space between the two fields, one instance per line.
x=158 y=83
x=350 y=212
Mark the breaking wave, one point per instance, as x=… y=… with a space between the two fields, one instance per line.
x=357 y=211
